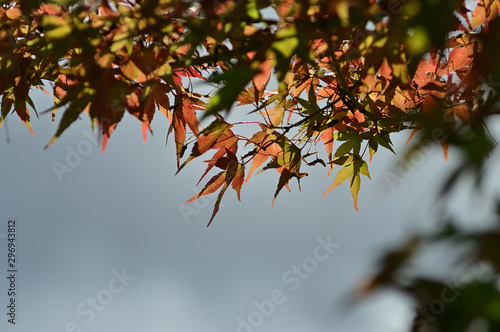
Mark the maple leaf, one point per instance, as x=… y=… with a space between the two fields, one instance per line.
x=341 y=176
x=207 y=139
x=261 y=79
x=158 y=93
x=149 y=111
x=212 y=185
x=285 y=176
x=183 y=116
x=232 y=175
x=328 y=140
x=238 y=179
x=287 y=163
x=355 y=185
x=23 y=113
x=265 y=146
x=227 y=142
x=485 y=12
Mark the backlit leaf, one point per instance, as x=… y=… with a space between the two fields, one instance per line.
x=215 y=183
x=217 y=203
x=285 y=177
x=238 y=179
x=355 y=185
x=341 y=176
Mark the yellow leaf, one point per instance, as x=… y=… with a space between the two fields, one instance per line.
x=58 y=33
x=342 y=175
x=364 y=169
x=106 y=60
x=55 y=27
x=342 y=8
x=355 y=185
x=163 y=70
x=286 y=41
x=252 y=10
x=418 y=42
x=132 y=72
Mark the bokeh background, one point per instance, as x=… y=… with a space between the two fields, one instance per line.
x=124 y=211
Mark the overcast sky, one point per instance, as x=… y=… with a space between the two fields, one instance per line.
x=109 y=245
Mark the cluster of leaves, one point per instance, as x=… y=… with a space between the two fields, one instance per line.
x=314 y=71
x=467 y=298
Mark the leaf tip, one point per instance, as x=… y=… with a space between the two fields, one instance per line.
x=52 y=140
x=444 y=146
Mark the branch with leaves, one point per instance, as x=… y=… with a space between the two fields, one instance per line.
x=342 y=74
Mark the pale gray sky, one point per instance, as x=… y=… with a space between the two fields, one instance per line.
x=112 y=231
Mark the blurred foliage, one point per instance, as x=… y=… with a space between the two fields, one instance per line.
x=468 y=298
